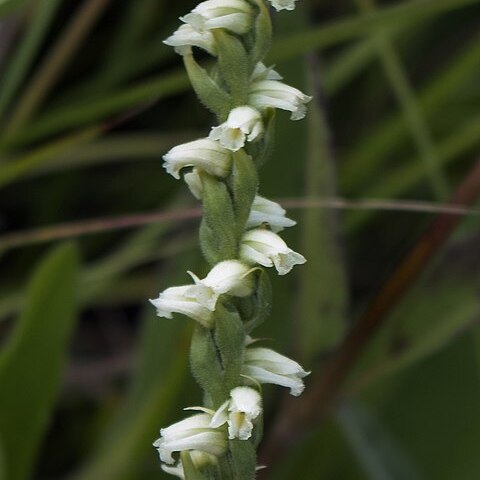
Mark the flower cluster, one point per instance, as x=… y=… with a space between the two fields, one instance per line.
x=239 y=235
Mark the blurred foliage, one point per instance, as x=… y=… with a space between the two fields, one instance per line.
x=90 y=99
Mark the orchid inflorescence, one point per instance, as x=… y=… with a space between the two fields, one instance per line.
x=238 y=236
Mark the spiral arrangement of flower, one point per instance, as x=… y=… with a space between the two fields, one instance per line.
x=238 y=236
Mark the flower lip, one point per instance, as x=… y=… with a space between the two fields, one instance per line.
x=243 y=407
x=268 y=249
x=243 y=124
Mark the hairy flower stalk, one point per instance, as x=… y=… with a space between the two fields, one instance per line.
x=238 y=237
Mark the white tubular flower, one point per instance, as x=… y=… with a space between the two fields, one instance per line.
x=268 y=249
x=186 y=37
x=233 y=15
x=244 y=406
x=204 y=154
x=229 y=277
x=273 y=93
x=194 y=183
x=243 y=124
x=175 y=300
x=266 y=366
x=265 y=211
x=193 y=433
x=283 y=4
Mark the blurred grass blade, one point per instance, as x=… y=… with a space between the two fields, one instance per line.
x=430 y=317
x=461 y=141
x=78 y=114
x=405 y=95
x=56 y=61
x=365 y=158
x=3 y=473
x=381 y=456
x=25 y=52
x=9 y=6
x=134 y=431
x=33 y=358
x=19 y=167
x=342 y=30
x=127 y=147
x=323 y=292
x=81 y=114
x=126 y=41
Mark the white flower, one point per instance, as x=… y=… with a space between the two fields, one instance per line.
x=283 y=4
x=267 y=366
x=233 y=15
x=243 y=407
x=186 y=37
x=243 y=124
x=199 y=459
x=193 y=433
x=268 y=249
x=265 y=211
x=194 y=183
x=262 y=72
x=205 y=154
x=175 y=300
x=229 y=277
x=270 y=92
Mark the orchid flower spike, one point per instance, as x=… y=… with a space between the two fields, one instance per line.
x=243 y=407
x=175 y=300
x=193 y=433
x=266 y=211
x=204 y=154
x=265 y=93
x=229 y=277
x=267 y=366
x=268 y=249
x=243 y=124
x=235 y=16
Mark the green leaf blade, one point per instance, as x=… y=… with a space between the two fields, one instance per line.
x=31 y=364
